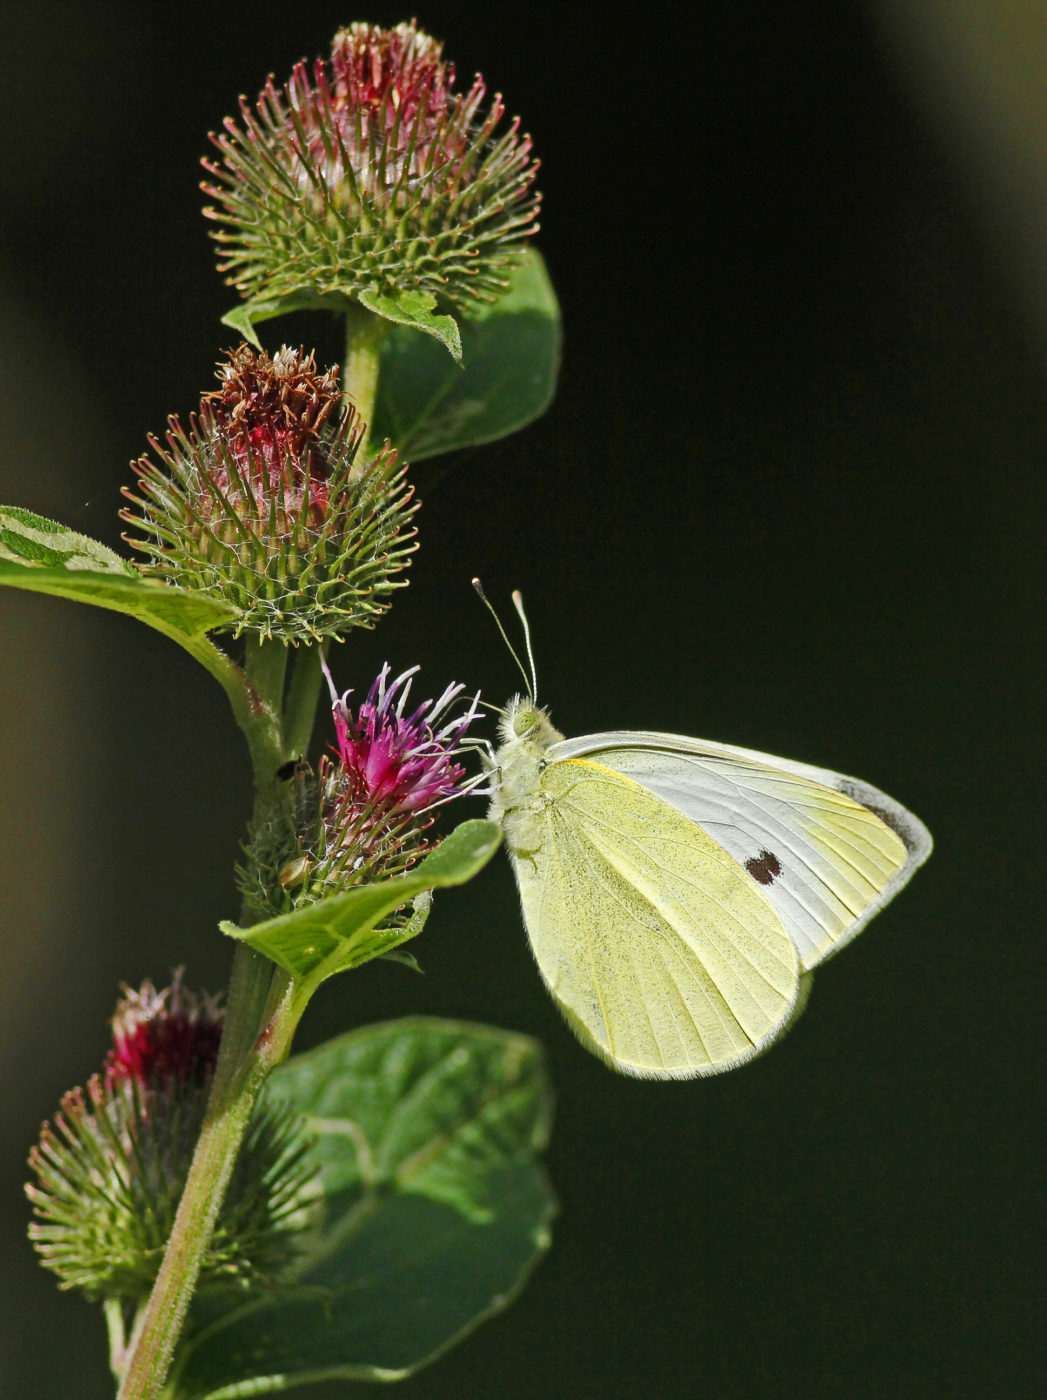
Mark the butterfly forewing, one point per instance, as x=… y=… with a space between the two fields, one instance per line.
x=827 y=851
x=667 y=959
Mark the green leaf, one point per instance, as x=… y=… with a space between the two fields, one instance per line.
x=432 y=1210
x=44 y=557
x=34 y=541
x=248 y=314
x=421 y=906
x=415 y=310
x=412 y=310
x=338 y=933
x=511 y=347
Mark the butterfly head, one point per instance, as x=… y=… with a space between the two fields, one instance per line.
x=526 y=733
x=524 y=724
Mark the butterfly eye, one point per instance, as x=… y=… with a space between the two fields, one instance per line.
x=523 y=722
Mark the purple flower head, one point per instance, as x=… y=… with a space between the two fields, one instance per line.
x=401 y=764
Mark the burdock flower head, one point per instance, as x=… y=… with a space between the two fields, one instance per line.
x=397 y=763
x=365 y=814
x=262 y=502
x=372 y=178
x=111 y=1167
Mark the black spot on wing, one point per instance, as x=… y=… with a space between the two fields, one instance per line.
x=765 y=868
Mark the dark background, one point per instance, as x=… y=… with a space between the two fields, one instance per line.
x=790 y=496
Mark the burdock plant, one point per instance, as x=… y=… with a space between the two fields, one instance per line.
x=250 y=1222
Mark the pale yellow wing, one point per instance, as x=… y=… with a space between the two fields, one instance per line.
x=665 y=957
x=829 y=851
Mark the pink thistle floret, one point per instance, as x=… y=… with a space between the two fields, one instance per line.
x=397 y=763
x=266 y=424
x=389 y=91
x=163 y=1036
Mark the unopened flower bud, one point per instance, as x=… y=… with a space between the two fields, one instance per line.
x=371 y=175
x=262 y=502
x=111 y=1167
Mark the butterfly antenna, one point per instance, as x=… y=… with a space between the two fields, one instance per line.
x=498 y=623
x=518 y=605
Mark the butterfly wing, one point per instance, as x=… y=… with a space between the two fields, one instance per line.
x=666 y=959
x=827 y=850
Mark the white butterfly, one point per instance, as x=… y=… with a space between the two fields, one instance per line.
x=678 y=892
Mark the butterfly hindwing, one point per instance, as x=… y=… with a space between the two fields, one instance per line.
x=667 y=959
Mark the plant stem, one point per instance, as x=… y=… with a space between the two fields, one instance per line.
x=246 y=1057
x=252 y=1044
x=304 y=691
x=364 y=333
x=113 y=1311
x=266 y=667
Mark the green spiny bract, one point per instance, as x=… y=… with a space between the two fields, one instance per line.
x=111 y=1168
x=372 y=177
x=315 y=838
x=263 y=502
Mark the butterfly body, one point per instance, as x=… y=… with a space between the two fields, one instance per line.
x=677 y=892
x=527 y=735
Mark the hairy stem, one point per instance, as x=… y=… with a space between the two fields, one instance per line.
x=238 y=1079
x=113 y=1311
x=266 y=667
x=302 y=695
x=252 y=1043
x=364 y=333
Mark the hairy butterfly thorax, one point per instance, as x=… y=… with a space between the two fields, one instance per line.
x=527 y=734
